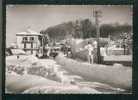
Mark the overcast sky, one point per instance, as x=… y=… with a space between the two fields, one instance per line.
x=38 y=17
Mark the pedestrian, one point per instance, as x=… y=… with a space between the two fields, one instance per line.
x=90 y=55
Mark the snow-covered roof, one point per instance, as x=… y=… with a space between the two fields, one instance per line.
x=28 y=32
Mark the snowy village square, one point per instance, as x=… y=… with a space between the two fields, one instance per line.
x=68 y=49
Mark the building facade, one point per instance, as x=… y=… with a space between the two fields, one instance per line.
x=28 y=41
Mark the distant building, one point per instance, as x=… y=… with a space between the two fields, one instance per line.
x=28 y=41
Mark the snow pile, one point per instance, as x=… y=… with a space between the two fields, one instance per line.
x=118 y=77
x=18 y=52
x=65 y=89
x=56 y=72
x=15 y=68
x=19 y=65
x=104 y=88
x=17 y=83
x=35 y=84
x=39 y=71
x=23 y=60
x=30 y=65
x=32 y=59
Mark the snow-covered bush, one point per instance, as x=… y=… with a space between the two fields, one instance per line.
x=39 y=71
x=15 y=68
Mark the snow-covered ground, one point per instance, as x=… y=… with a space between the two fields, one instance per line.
x=46 y=76
x=118 y=76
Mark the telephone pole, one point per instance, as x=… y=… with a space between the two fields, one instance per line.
x=97 y=15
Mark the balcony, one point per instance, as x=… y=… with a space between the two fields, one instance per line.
x=28 y=41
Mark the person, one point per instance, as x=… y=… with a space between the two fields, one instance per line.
x=90 y=49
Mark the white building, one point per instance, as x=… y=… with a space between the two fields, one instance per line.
x=28 y=41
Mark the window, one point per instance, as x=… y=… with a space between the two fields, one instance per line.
x=24 y=39
x=31 y=38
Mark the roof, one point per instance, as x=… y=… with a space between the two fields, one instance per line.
x=28 y=32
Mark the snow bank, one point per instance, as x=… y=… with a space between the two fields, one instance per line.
x=18 y=52
x=21 y=64
x=65 y=89
x=24 y=60
x=49 y=76
x=18 y=83
x=115 y=76
x=46 y=68
x=34 y=84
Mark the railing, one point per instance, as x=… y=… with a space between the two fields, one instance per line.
x=30 y=48
x=28 y=41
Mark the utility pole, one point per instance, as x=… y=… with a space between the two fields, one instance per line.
x=97 y=14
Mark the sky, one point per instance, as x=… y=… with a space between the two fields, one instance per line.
x=39 y=17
